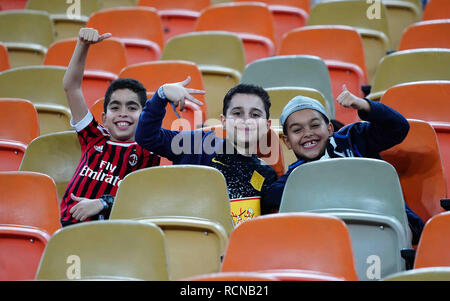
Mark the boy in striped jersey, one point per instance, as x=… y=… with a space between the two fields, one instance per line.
x=109 y=152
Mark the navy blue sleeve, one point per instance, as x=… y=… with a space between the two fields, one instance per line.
x=272 y=197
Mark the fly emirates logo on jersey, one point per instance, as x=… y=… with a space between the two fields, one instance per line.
x=105 y=174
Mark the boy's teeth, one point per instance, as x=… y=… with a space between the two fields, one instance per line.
x=310 y=143
x=122 y=124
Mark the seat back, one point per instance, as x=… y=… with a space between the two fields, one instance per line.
x=56 y=155
x=360 y=184
x=27 y=35
x=29 y=199
x=97 y=249
x=300 y=241
x=150 y=192
x=291 y=71
x=418 y=163
x=426 y=34
x=118 y=3
x=434 y=242
x=42 y=85
x=422 y=274
x=436 y=9
x=4 y=58
x=19 y=120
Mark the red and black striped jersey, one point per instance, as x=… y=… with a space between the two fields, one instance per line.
x=103 y=165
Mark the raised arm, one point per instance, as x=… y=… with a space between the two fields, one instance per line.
x=74 y=74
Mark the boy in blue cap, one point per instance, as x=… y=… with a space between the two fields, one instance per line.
x=308 y=132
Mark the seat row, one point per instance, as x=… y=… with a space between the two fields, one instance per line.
x=354 y=229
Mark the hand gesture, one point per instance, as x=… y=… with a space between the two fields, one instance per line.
x=85 y=207
x=91 y=36
x=348 y=100
x=177 y=94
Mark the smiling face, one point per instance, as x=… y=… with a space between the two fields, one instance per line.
x=307 y=134
x=122 y=115
x=245 y=121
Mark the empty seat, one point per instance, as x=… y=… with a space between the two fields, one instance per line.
x=19 y=125
x=97 y=250
x=143 y=38
x=367 y=195
x=427 y=100
x=291 y=242
x=252 y=22
x=410 y=66
x=56 y=155
x=434 y=242
x=291 y=71
x=287 y=15
x=422 y=274
x=345 y=61
x=68 y=16
x=104 y=62
x=4 y=57
x=42 y=85
x=418 y=163
x=374 y=30
x=220 y=57
x=177 y=17
x=426 y=34
x=154 y=74
x=27 y=34
x=436 y=9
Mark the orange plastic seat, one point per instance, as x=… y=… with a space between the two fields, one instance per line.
x=21 y=251
x=252 y=22
x=417 y=161
x=29 y=199
x=4 y=58
x=426 y=34
x=269 y=148
x=18 y=126
x=104 y=62
x=177 y=17
x=232 y=276
x=291 y=241
x=427 y=100
x=436 y=9
x=434 y=243
x=12 y=4
x=345 y=61
x=143 y=37
x=154 y=74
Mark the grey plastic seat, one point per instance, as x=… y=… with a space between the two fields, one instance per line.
x=105 y=250
x=367 y=195
x=422 y=274
x=291 y=71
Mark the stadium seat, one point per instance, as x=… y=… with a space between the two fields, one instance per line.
x=232 y=276
x=118 y=3
x=291 y=242
x=68 y=16
x=4 y=58
x=418 y=163
x=150 y=193
x=26 y=34
x=143 y=38
x=19 y=125
x=422 y=274
x=42 y=85
x=426 y=34
x=56 y=155
x=29 y=199
x=101 y=249
x=219 y=56
x=252 y=22
x=436 y=9
x=432 y=250
x=426 y=100
x=178 y=17
x=345 y=61
x=154 y=74
x=374 y=31
x=291 y=71
x=194 y=245
x=21 y=251
x=287 y=15
x=12 y=4
x=366 y=194
x=410 y=66
x=104 y=62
